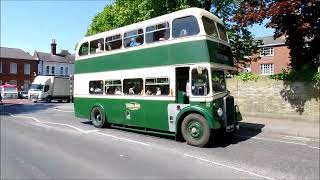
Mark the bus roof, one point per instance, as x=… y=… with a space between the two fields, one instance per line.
x=153 y=21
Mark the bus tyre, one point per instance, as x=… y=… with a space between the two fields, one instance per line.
x=195 y=130
x=98 y=117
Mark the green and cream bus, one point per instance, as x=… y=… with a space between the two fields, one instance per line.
x=165 y=75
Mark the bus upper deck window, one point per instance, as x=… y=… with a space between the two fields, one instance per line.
x=222 y=32
x=158 y=32
x=97 y=46
x=210 y=27
x=185 y=26
x=84 y=49
x=113 y=42
x=133 y=38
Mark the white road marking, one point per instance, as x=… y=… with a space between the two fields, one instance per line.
x=80 y=130
x=61 y=124
x=125 y=139
x=56 y=109
x=265 y=139
x=70 y=126
x=223 y=165
x=313 y=147
x=298 y=138
x=35 y=119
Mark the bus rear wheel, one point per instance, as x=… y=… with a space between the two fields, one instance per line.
x=98 y=117
x=195 y=130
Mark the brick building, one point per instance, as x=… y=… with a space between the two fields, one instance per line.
x=274 y=57
x=17 y=67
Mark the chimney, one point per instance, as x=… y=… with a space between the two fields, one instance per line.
x=53 y=47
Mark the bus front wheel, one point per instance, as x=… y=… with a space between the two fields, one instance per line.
x=195 y=130
x=98 y=117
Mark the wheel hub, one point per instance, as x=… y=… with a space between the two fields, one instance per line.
x=195 y=129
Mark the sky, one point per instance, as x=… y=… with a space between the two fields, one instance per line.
x=31 y=25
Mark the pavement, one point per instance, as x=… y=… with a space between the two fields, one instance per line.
x=289 y=127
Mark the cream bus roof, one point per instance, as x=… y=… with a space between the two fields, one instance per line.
x=167 y=17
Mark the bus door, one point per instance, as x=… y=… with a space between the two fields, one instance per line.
x=182 y=85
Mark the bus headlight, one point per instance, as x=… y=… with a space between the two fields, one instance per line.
x=220 y=112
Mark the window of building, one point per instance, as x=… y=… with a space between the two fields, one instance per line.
x=113 y=87
x=267 y=51
x=158 y=32
x=84 y=49
x=53 y=70
x=185 y=26
x=133 y=38
x=133 y=86
x=66 y=71
x=266 y=69
x=97 y=46
x=157 y=86
x=61 y=70
x=13 y=68
x=210 y=27
x=47 y=70
x=26 y=68
x=200 y=82
x=96 y=87
x=0 y=66
x=113 y=42
x=13 y=82
x=222 y=32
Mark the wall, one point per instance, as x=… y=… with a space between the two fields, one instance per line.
x=277 y=99
x=20 y=77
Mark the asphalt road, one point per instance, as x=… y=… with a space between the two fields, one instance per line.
x=46 y=141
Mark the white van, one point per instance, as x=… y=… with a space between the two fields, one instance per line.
x=47 y=88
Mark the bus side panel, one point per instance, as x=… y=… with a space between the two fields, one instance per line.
x=81 y=108
x=157 y=114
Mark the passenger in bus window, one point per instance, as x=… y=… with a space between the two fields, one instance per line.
x=158 y=91
x=99 y=49
x=117 y=92
x=109 y=46
x=131 y=91
x=183 y=32
x=133 y=42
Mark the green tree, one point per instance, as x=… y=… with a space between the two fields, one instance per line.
x=125 y=12
x=297 y=20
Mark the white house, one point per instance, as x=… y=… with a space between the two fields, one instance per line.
x=61 y=64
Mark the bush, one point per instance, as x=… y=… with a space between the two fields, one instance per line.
x=304 y=74
x=247 y=76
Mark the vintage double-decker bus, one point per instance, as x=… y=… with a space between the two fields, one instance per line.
x=165 y=75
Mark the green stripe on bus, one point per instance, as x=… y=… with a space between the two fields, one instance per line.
x=179 y=53
x=151 y=113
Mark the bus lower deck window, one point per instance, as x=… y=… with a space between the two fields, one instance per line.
x=96 y=87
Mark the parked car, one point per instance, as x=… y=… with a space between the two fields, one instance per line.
x=9 y=91
x=23 y=95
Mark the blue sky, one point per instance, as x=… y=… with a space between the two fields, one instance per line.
x=30 y=25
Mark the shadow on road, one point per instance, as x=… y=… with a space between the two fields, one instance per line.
x=24 y=108
x=247 y=131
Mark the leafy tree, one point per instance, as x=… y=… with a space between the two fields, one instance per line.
x=297 y=20
x=125 y=12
